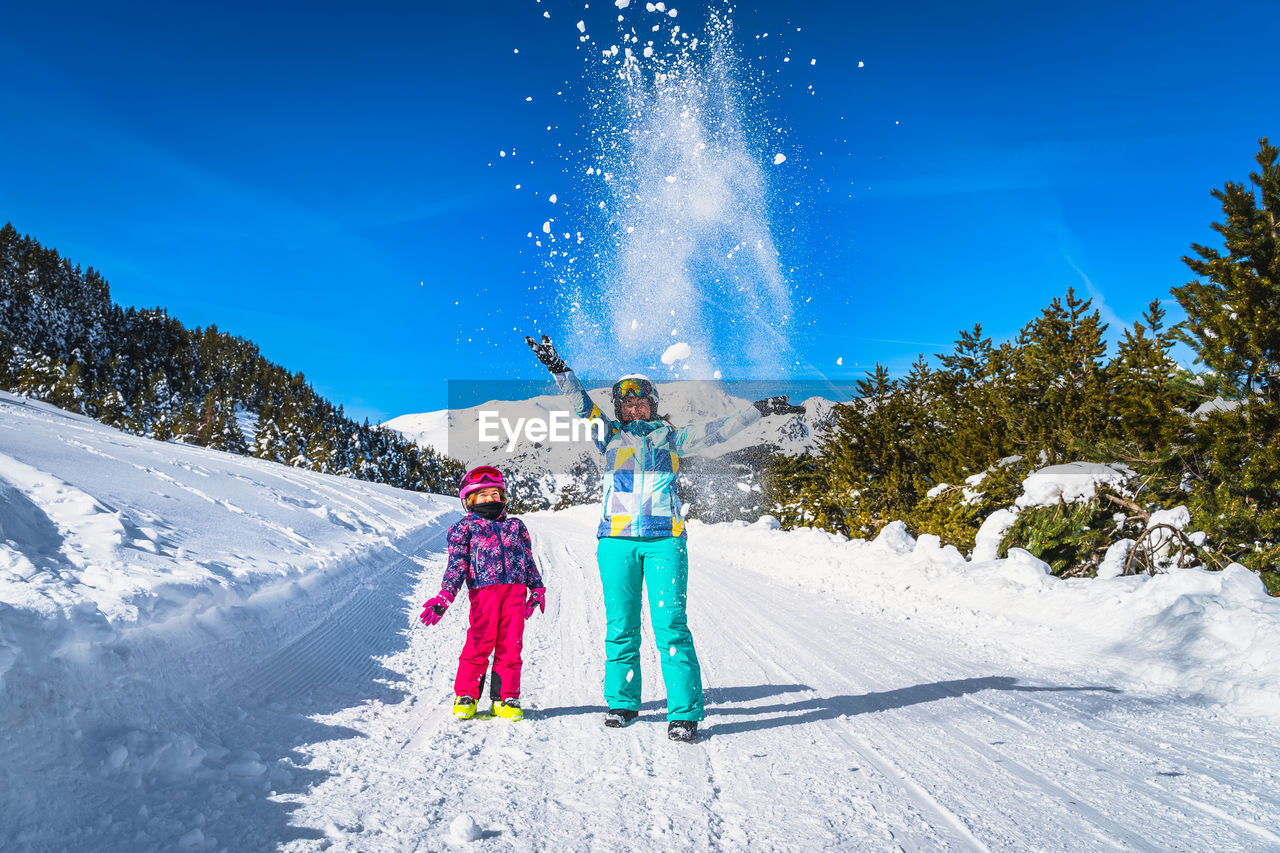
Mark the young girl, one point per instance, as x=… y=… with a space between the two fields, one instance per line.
x=490 y=551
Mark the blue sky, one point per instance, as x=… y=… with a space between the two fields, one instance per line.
x=326 y=180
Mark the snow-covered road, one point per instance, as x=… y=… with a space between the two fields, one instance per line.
x=829 y=727
x=201 y=651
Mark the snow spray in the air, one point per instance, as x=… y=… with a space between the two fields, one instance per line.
x=684 y=276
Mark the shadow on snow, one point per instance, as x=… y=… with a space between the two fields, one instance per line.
x=833 y=707
x=713 y=695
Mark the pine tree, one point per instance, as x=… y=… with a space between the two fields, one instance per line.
x=870 y=467
x=268 y=443
x=162 y=427
x=187 y=423
x=798 y=491
x=112 y=409
x=1145 y=401
x=1230 y=460
x=1059 y=384
x=36 y=375
x=231 y=438
x=1233 y=309
x=8 y=356
x=972 y=391
x=68 y=390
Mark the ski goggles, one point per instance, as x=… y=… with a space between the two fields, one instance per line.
x=484 y=475
x=632 y=387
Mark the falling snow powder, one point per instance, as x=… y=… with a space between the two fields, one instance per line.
x=677 y=352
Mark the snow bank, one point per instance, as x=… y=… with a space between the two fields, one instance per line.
x=1198 y=633
x=146 y=584
x=986 y=543
x=131 y=529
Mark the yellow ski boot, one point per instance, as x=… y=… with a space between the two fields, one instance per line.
x=508 y=709
x=464 y=707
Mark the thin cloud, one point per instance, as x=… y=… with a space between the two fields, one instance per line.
x=1110 y=317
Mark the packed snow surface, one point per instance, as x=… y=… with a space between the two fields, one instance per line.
x=206 y=652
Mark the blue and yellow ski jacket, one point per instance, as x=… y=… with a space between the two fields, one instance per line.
x=642 y=461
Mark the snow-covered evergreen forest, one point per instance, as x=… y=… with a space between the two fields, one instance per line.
x=63 y=340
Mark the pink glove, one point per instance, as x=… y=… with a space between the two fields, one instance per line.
x=537 y=599
x=435 y=608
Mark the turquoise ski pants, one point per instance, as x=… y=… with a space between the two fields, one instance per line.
x=662 y=565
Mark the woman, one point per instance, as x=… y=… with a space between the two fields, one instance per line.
x=641 y=537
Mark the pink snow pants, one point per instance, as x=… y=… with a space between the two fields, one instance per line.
x=497 y=628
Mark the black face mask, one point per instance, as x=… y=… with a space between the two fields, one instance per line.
x=489 y=511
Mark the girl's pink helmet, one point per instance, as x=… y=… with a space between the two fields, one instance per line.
x=483 y=477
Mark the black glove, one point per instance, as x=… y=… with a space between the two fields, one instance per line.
x=546 y=353
x=777 y=406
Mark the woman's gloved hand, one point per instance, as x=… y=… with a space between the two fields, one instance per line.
x=546 y=353
x=777 y=406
